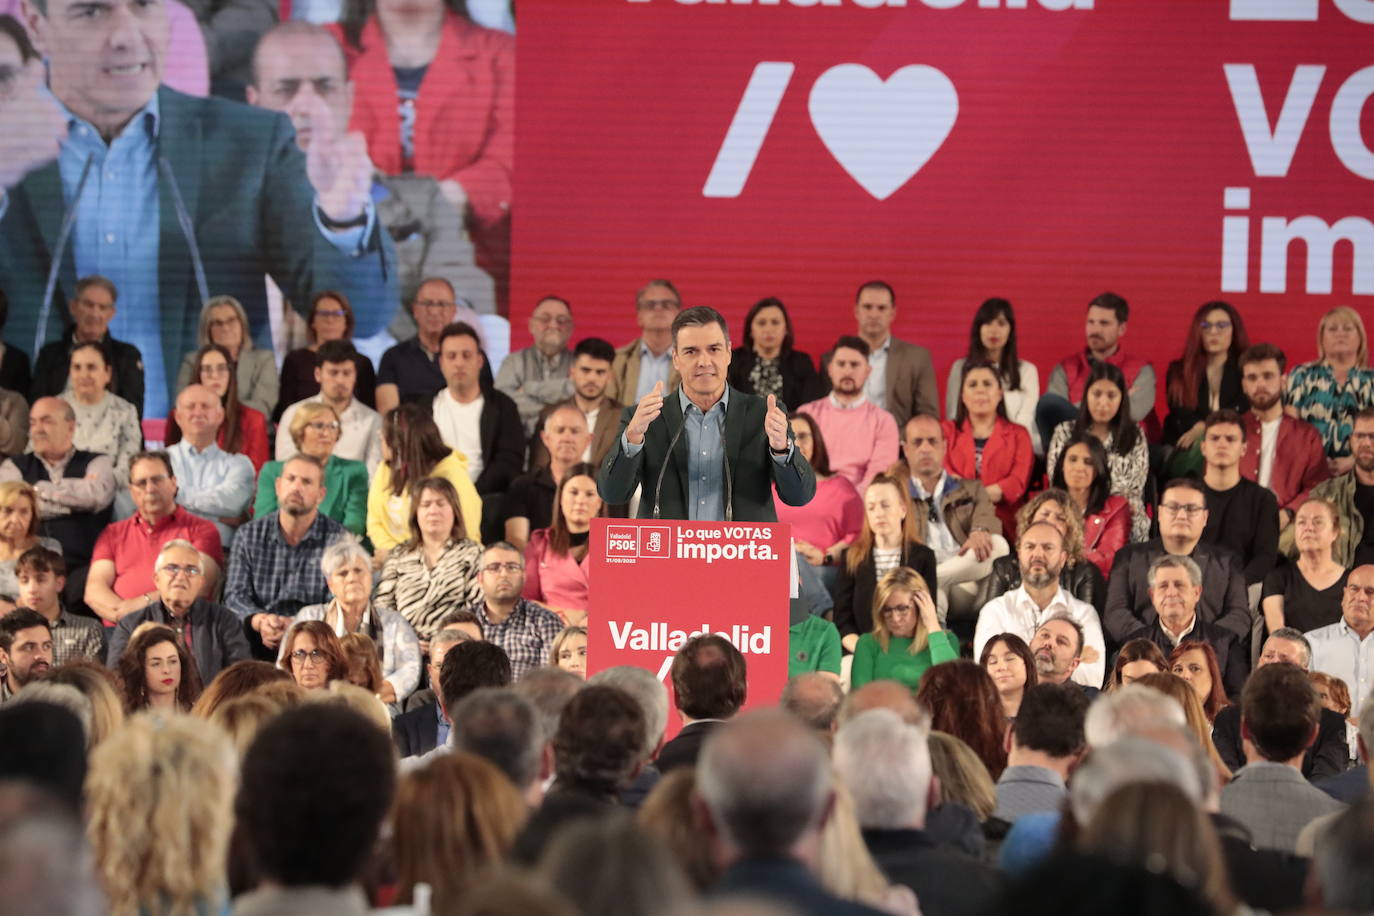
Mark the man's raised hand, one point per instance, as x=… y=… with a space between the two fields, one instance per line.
x=775 y=425
x=648 y=409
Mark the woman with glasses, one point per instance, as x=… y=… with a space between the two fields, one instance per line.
x=1205 y=379
x=244 y=429
x=1331 y=389
x=311 y=654
x=347 y=569
x=1306 y=594
x=436 y=571
x=330 y=318
x=906 y=638
x=315 y=431
x=766 y=363
x=224 y=322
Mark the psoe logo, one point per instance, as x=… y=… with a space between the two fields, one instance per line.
x=622 y=541
x=656 y=543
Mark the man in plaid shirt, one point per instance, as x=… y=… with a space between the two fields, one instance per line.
x=42 y=574
x=524 y=629
x=274 y=569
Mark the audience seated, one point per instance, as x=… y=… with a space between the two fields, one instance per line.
x=75 y=488
x=861 y=434
x=121 y=575
x=569 y=651
x=766 y=362
x=314 y=431
x=599 y=745
x=274 y=570
x=313 y=655
x=537 y=377
x=1195 y=662
x=436 y=571
x=549 y=689
x=709 y=686
x=1067 y=389
x=1106 y=415
x=1195 y=719
x=468 y=666
x=42 y=574
x=815 y=698
x=330 y=320
x=1205 y=379
x=590 y=377
x=1008 y=661
x=422 y=727
x=984 y=445
x=1329 y=391
x=557 y=558
x=409 y=371
x=92 y=307
x=1182 y=518
x=224 y=324
x=1286 y=454
x=652 y=696
x=964 y=784
x=813 y=642
x=1352 y=493
x=1044 y=746
x=524 y=629
x=502 y=727
x=215 y=484
x=26 y=650
x=647 y=360
x=1058 y=646
x=825 y=526
x=1085 y=474
x=614 y=865
x=906 y=639
x=1241 y=514
x=1306 y=594
x=1079 y=578
x=1340 y=878
x=157 y=672
x=162 y=783
x=105 y=422
x=1041 y=558
x=412 y=450
x=1334 y=695
x=1327 y=756
x=1341 y=649
x=962 y=700
x=18 y=533
x=359 y=434
x=14 y=419
x=529 y=503
x=889 y=539
x=992 y=339
x=903 y=377
x=1279 y=717
x=1137 y=658
x=243 y=430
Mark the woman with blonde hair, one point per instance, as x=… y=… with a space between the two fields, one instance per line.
x=963 y=778
x=18 y=532
x=906 y=637
x=242 y=717
x=99 y=685
x=1338 y=384
x=315 y=431
x=1171 y=685
x=1306 y=594
x=451 y=820
x=667 y=813
x=159 y=797
x=847 y=869
x=1080 y=577
x=569 y=651
x=224 y=322
x=239 y=679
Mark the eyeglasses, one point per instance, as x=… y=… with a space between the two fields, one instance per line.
x=330 y=313
x=495 y=568
x=563 y=321
x=173 y=570
x=659 y=304
x=324 y=426
x=1182 y=509
x=899 y=610
x=302 y=657
x=223 y=322
x=149 y=483
x=1214 y=326
x=1366 y=590
x=435 y=303
x=92 y=304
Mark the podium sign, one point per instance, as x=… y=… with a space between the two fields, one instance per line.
x=655 y=584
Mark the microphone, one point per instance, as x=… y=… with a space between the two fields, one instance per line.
x=187 y=229
x=729 y=477
x=658 y=487
x=63 y=234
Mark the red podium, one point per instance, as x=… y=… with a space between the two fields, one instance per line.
x=656 y=583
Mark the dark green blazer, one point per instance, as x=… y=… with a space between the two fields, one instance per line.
x=243 y=181
x=751 y=463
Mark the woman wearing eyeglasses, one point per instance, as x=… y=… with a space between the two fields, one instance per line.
x=311 y=654
x=224 y=322
x=906 y=637
x=330 y=318
x=244 y=429
x=315 y=431
x=1206 y=378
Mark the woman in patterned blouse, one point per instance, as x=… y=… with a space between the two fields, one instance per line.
x=105 y=422
x=436 y=571
x=766 y=363
x=1330 y=390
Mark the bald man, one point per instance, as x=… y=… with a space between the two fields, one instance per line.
x=214 y=484
x=529 y=503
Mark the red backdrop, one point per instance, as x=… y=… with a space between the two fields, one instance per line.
x=1091 y=149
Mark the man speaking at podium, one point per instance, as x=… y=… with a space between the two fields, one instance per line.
x=707 y=452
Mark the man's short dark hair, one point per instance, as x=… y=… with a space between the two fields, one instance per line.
x=1343 y=853
x=1182 y=483
x=460 y=615
x=1077 y=628
x=1115 y=303
x=1052 y=721
x=549 y=690
x=21 y=618
x=40 y=559
x=1260 y=352
x=1280 y=709
x=709 y=678
x=600 y=740
x=452 y=291
x=1225 y=418
x=596 y=348
x=499 y=725
x=459 y=329
x=335 y=351
x=877 y=284
x=99 y=282
x=317 y=782
x=44 y=745
x=470 y=665
x=853 y=342
x=700 y=316
x=155 y=454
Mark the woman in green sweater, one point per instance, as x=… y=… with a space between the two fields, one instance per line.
x=906 y=637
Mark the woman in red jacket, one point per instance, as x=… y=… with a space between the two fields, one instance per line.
x=984 y=445
x=1083 y=472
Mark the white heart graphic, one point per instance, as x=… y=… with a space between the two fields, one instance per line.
x=882 y=132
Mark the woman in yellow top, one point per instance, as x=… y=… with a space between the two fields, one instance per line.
x=906 y=637
x=412 y=450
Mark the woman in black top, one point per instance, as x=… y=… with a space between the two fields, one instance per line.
x=1306 y=594
x=1205 y=379
x=331 y=318
x=766 y=363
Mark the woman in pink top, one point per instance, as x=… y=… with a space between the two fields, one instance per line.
x=556 y=556
x=824 y=527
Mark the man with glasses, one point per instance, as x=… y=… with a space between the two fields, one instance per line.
x=1182 y=515
x=648 y=359
x=211 y=633
x=212 y=483
x=121 y=577
x=359 y=426
x=1352 y=493
x=410 y=370
x=525 y=630
x=1345 y=649
x=537 y=376
x=92 y=308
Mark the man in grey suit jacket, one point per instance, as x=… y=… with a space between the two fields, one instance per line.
x=726 y=448
x=1279 y=713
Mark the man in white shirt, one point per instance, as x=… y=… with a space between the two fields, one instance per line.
x=214 y=484
x=360 y=427
x=1040 y=554
x=1345 y=649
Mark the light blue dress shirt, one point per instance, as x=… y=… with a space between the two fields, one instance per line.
x=652 y=369
x=213 y=484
